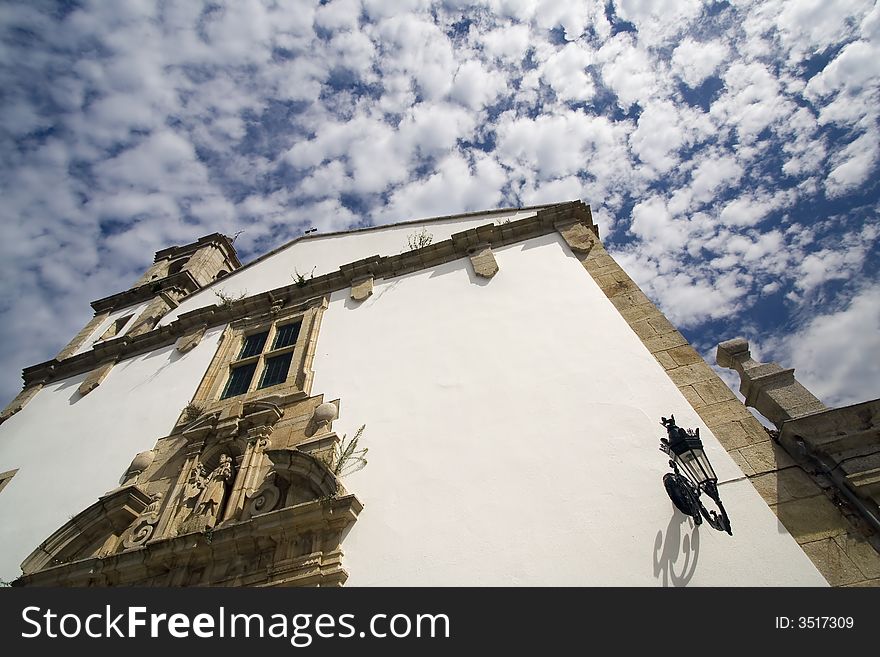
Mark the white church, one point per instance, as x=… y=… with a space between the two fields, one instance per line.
x=505 y=381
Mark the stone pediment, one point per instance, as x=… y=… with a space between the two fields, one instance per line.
x=88 y=531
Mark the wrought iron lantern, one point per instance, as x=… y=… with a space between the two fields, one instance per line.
x=691 y=475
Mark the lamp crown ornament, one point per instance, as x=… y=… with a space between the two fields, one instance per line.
x=692 y=474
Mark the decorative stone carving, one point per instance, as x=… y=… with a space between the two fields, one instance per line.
x=362 y=288
x=210 y=503
x=296 y=478
x=264 y=499
x=142 y=529
x=138 y=464
x=95 y=377
x=192 y=491
x=324 y=414
x=90 y=531
x=190 y=340
x=483 y=261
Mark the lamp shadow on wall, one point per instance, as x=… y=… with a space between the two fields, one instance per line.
x=676 y=553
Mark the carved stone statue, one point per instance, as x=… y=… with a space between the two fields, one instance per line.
x=211 y=500
x=189 y=498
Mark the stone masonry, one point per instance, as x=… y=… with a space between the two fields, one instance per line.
x=833 y=543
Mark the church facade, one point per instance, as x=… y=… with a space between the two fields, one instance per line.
x=465 y=400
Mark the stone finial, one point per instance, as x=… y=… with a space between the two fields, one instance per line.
x=767 y=387
x=732 y=353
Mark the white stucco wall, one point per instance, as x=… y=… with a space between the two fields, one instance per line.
x=513 y=428
x=322 y=254
x=135 y=312
x=512 y=423
x=71 y=449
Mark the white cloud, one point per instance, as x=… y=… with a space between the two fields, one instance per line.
x=475 y=86
x=659 y=21
x=508 y=43
x=834 y=353
x=853 y=165
x=694 y=61
x=565 y=72
x=714 y=174
x=338 y=15
x=627 y=70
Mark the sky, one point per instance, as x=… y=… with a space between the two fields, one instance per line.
x=729 y=150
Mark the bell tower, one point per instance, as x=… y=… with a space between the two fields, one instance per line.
x=176 y=272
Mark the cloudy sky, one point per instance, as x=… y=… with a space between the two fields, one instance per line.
x=729 y=149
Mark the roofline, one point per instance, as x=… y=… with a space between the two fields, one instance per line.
x=364 y=229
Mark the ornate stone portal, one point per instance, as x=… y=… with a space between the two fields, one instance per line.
x=244 y=495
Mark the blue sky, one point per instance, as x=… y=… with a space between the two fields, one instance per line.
x=729 y=149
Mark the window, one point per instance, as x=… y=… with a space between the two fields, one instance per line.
x=269 y=366
x=116 y=327
x=264 y=355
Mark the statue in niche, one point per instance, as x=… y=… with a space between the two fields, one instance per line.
x=210 y=502
x=192 y=491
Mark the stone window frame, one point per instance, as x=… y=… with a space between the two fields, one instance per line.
x=299 y=376
x=6 y=477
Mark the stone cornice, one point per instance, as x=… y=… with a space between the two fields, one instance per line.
x=240 y=538
x=182 y=281
x=460 y=245
x=217 y=239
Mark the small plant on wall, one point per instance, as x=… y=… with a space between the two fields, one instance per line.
x=226 y=299
x=191 y=412
x=348 y=456
x=419 y=240
x=301 y=280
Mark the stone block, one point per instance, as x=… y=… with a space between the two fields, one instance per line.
x=662 y=325
x=666 y=343
x=714 y=391
x=692 y=396
x=362 y=288
x=832 y=562
x=766 y=456
x=191 y=339
x=667 y=361
x=732 y=435
x=685 y=354
x=19 y=402
x=861 y=553
x=95 y=377
x=767 y=487
x=738 y=458
x=483 y=261
x=643 y=329
x=785 y=485
x=811 y=518
x=690 y=374
x=579 y=237
x=722 y=412
x=797 y=484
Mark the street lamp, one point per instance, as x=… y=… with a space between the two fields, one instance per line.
x=691 y=475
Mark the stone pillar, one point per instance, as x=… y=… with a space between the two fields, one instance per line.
x=767 y=387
